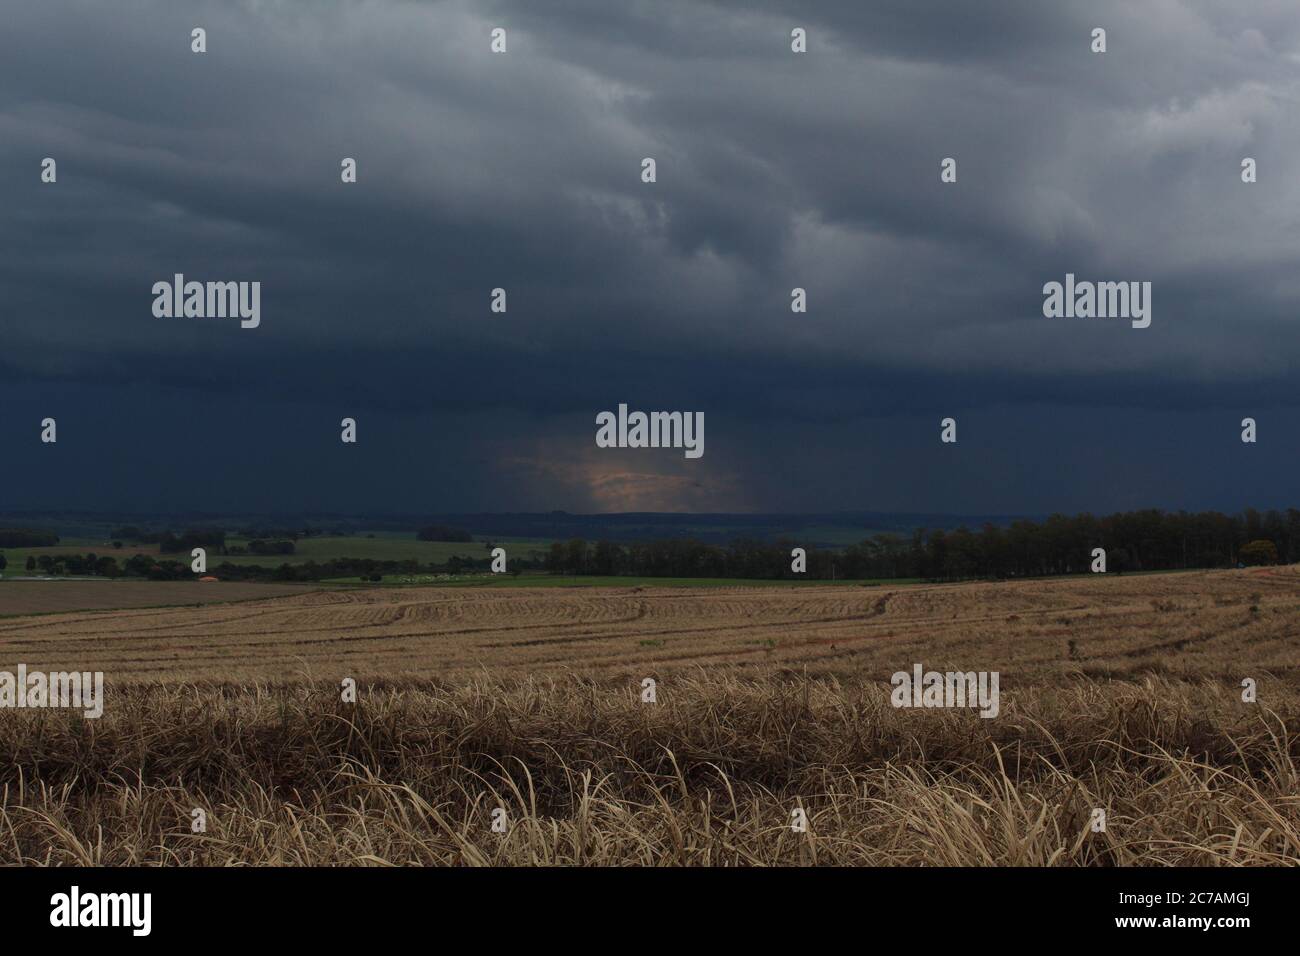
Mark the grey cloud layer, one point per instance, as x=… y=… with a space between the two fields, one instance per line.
x=775 y=171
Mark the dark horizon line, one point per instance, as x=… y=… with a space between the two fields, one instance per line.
x=118 y=513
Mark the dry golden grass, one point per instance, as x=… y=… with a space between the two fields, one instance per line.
x=708 y=775
x=528 y=700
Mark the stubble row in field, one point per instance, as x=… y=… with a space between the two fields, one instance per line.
x=1187 y=626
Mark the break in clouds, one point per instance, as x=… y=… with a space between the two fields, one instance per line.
x=774 y=171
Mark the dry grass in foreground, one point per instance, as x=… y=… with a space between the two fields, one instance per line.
x=1186 y=772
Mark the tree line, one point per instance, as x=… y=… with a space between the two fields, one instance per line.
x=165 y=569
x=1149 y=540
x=27 y=538
x=170 y=542
x=441 y=532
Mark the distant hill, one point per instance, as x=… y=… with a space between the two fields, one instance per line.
x=828 y=529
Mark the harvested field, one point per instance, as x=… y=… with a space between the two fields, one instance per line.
x=1118 y=694
x=44 y=597
x=1187 y=626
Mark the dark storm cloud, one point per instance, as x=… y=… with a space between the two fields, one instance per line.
x=775 y=171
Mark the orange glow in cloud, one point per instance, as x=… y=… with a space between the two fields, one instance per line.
x=661 y=483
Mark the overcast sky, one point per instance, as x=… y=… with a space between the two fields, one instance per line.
x=775 y=170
